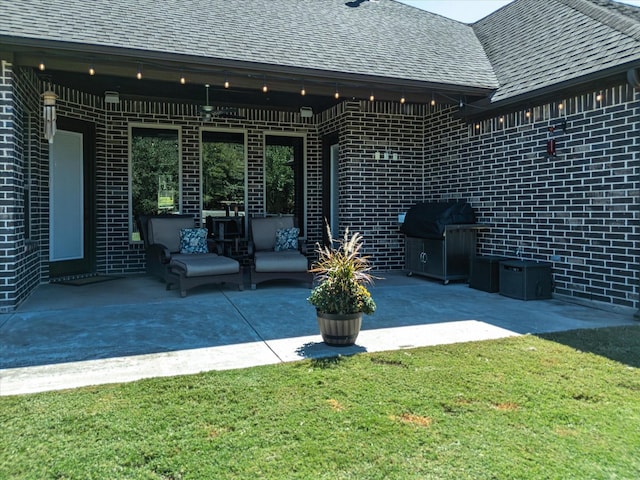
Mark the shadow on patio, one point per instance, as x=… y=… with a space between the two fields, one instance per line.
x=133 y=320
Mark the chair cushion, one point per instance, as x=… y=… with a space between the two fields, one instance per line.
x=287 y=239
x=204 y=264
x=284 y=261
x=193 y=240
x=166 y=230
x=263 y=231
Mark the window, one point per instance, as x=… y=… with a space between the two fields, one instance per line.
x=223 y=174
x=284 y=177
x=154 y=173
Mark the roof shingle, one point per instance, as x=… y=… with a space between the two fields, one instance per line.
x=380 y=37
x=533 y=44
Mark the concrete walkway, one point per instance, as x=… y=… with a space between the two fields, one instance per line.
x=132 y=328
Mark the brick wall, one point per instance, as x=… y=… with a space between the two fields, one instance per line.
x=19 y=256
x=381 y=156
x=578 y=210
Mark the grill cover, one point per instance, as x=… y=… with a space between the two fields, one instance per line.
x=425 y=220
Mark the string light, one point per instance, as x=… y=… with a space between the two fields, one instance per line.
x=528 y=114
x=599 y=97
x=265 y=87
x=41 y=66
x=92 y=70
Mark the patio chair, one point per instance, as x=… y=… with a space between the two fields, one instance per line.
x=179 y=254
x=276 y=252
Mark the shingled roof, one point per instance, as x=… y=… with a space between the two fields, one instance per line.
x=535 y=44
x=382 y=38
x=524 y=49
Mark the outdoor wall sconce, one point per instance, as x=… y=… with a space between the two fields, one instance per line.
x=49 y=114
x=551 y=142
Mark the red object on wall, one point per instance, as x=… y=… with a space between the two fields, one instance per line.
x=551 y=147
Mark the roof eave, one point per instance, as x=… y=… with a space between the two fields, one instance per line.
x=164 y=65
x=486 y=108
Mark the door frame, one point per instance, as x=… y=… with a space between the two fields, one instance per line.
x=88 y=263
x=327 y=187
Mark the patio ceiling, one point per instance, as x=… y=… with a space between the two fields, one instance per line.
x=116 y=70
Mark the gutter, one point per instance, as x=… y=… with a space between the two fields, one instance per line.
x=485 y=108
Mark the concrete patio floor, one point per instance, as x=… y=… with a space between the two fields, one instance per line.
x=131 y=328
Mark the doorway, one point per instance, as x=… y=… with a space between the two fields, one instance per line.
x=72 y=244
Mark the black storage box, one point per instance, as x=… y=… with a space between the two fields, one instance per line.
x=525 y=280
x=485 y=273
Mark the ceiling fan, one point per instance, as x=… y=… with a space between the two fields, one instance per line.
x=207 y=112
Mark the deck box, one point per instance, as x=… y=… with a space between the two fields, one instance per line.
x=525 y=280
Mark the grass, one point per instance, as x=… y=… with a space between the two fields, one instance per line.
x=563 y=406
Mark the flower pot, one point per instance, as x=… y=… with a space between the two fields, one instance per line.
x=339 y=330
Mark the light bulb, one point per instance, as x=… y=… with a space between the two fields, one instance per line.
x=139 y=72
x=226 y=83
x=92 y=70
x=402 y=99
x=371 y=97
x=182 y=80
x=41 y=66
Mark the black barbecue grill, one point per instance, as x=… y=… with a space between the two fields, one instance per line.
x=440 y=239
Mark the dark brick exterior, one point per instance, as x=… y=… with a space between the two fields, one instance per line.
x=578 y=210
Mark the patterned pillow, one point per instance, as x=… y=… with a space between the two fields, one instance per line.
x=287 y=239
x=193 y=240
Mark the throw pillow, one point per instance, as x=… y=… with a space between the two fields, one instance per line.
x=287 y=239
x=193 y=240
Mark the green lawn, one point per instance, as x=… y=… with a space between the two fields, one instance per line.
x=564 y=406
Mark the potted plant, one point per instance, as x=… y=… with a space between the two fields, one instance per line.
x=341 y=295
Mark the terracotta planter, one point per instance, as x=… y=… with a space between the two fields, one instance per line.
x=339 y=330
